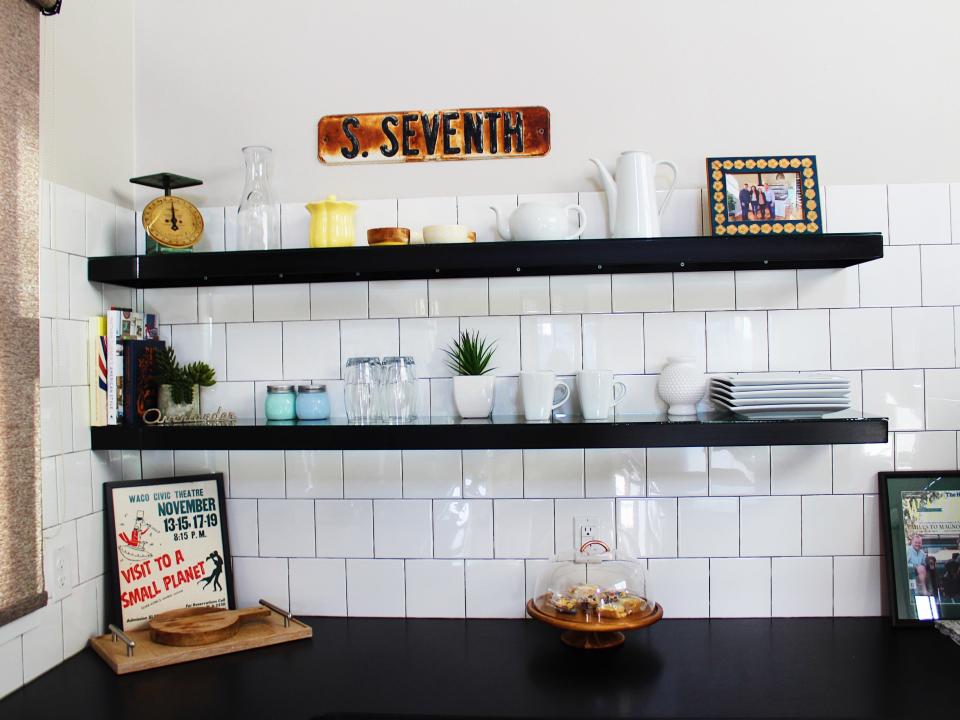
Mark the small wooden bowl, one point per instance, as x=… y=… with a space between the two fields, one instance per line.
x=388 y=236
x=596 y=634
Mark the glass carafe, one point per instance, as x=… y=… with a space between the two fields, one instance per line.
x=258 y=217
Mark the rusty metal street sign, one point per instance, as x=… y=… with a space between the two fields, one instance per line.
x=416 y=136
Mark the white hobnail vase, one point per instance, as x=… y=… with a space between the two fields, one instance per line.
x=473 y=395
x=681 y=385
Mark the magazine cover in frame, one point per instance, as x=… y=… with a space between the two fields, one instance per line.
x=921 y=518
x=166 y=543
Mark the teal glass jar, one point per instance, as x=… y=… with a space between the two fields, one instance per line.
x=312 y=402
x=281 y=403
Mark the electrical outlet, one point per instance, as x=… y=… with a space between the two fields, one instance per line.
x=59 y=570
x=587 y=536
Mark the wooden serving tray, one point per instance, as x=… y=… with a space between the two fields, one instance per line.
x=590 y=632
x=147 y=654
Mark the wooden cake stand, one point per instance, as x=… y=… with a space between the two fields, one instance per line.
x=588 y=631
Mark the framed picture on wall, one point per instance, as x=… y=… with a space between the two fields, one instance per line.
x=764 y=195
x=167 y=547
x=920 y=515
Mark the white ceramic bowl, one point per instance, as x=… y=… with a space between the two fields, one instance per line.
x=436 y=234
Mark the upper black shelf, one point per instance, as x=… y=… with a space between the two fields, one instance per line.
x=707 y=429
x=491 y=259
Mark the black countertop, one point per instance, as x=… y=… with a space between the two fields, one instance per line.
x=810 y=668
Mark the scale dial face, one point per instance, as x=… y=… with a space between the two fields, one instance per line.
x=173 y=221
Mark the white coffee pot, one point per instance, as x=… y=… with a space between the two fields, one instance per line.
x=540 y=221
x=632 y=196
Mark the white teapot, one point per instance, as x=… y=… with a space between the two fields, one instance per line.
x=540 y=221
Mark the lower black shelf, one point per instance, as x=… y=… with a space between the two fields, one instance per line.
x=505 y=432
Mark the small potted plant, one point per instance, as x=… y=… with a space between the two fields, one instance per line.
x=469 y=357
x=180 y=384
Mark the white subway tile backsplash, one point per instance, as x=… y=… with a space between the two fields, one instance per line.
x=580 y=294
x=402 y=528
x=171 y=305
x=206 y=342
x=802 y=587
x=228 y=303
x=495 y=588
x=832 y=524
x=69 y=222
x=923 y=337
x=566 y=537
x=895 y=394
x=474 y=212
x=77 y=485
x=43 y=645
x=11 y=665
x=613 y=342
x=857 y=587
x=523 y=528
x=740 y=470
x=318 y=586
x=314 y=473
x=435 y=588
x=647 y=527
x=919 y=214
x=156 y=463
x=431 y=473
x=644 y=292
x=769 y=525
x=551 y=342
x=286 y=528
x=311 y=349
x=667 y=335
x=493 y=473
x=740 y=587
x=766 y=289
x=243 y=528
x=372 y=474
x=861 y=338
x=374 y=338
x=856 y=208
x=737 y=342
x=873 y=532
x=942 y=399
x=414 y=213
x=708 y=526
x=520 y=295
x=463 y=528
x=924 y=451
x=681 y=586
x=235 y=397
x=338 y=301
x=894 y=279
x=462 y=296
x=281 y=302
x=553 y=473
x=344 y=528
x=505 y=333
x=90 y=546
x=801 y=470
x=704 y=291
x=212 y=239
x=424 y=339
x=256 y=474
x=257 y=578
x=799 y=339
x=85 y=296
x=254 y=351
x=100 y=227
x=375 y=588
x=615 y=472
x=294 y=226
x=940 y=266
x=398 y=299
x=834 y=288
x=375 y=214
x=676 y=471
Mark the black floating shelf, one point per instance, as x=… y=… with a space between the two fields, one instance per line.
x=490 y=259
x=709 y=429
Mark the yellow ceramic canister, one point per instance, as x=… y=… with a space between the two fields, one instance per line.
x=331 y=223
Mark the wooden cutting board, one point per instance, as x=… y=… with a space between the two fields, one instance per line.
x=200 y=626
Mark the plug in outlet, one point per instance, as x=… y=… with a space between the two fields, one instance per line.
x=587 y=536
x=59 y=557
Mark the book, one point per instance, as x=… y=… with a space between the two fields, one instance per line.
x=123 y=324
x=97 y=369
x=141 y=389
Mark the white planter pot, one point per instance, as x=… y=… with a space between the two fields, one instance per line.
x=170 y=409
x=681 y=385
x=473 y=395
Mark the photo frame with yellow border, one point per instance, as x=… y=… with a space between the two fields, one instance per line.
x=764 y=195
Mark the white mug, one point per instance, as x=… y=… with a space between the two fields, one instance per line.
x=599 y=393
x=538 y=388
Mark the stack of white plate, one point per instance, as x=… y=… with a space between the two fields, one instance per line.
x=780 y=395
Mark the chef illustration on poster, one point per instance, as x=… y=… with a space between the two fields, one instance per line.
x=170 y=549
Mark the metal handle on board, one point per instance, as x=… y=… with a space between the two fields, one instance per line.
x=118 y=633
x=279 y=611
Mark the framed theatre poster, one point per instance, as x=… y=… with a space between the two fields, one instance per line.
x=167 y=547
x=764 y=195
x=920 y=512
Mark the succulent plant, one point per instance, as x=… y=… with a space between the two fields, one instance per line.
x=470 y=354
x=181 y=379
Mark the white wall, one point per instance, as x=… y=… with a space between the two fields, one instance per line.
x=86 y=98
x=860 y=83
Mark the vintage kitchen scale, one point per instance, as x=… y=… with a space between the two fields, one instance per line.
x=180 y=636
x=172 y=224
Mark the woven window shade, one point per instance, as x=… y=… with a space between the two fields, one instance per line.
x=21 y=567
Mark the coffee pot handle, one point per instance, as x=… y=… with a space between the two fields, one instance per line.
x=582 y=215
x=676 y=176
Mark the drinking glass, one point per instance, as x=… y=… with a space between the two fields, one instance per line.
x=398 y=393
x=361 y=389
